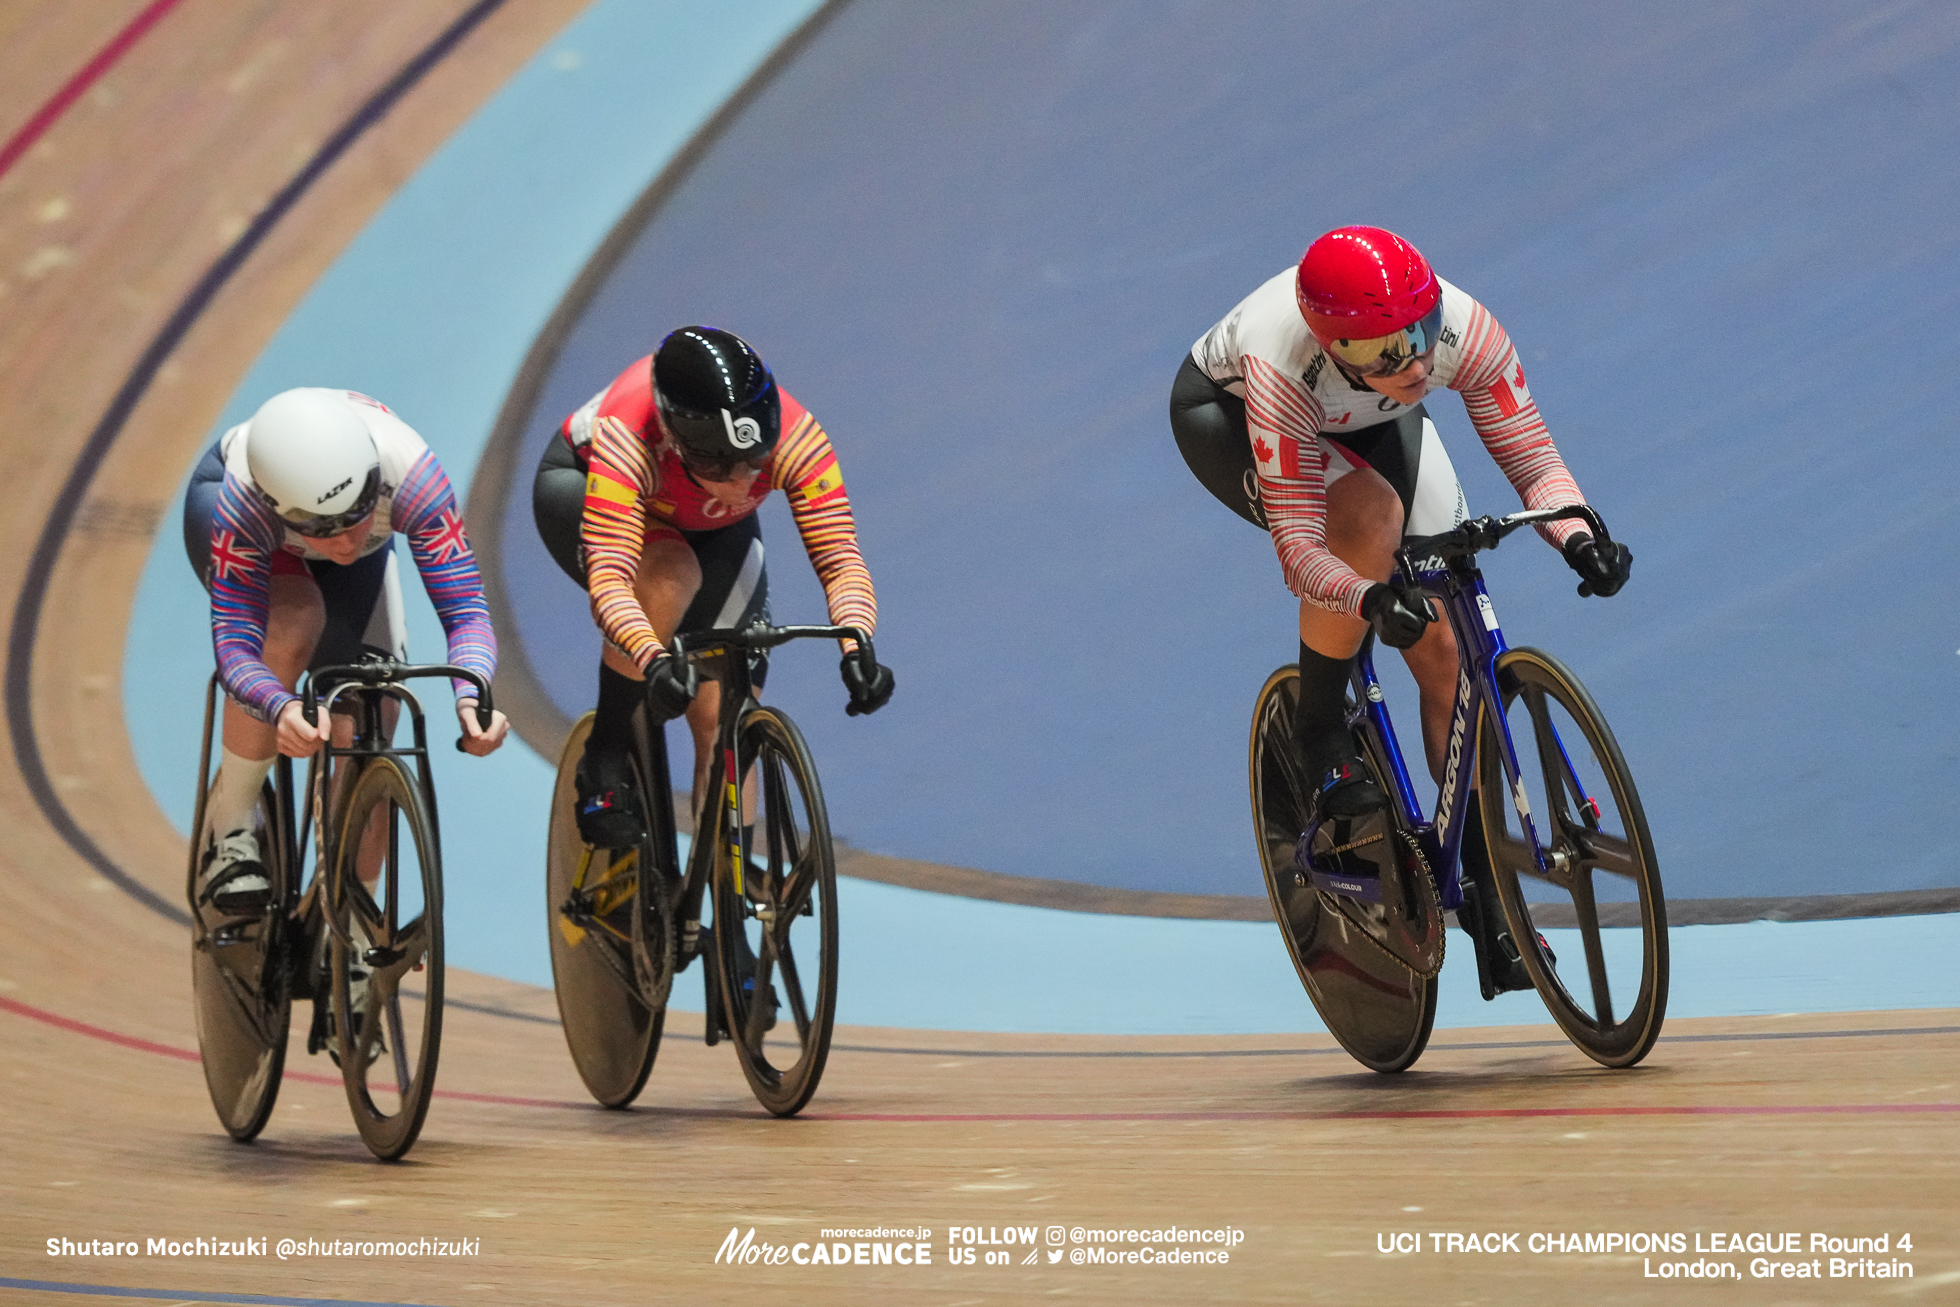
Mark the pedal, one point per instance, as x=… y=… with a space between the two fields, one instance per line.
x=321 y=1028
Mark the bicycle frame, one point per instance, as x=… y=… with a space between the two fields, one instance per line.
x=718 y=821
x=1444 y=567
x=371 y=685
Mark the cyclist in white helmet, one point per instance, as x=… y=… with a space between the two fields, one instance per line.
x=289 y=523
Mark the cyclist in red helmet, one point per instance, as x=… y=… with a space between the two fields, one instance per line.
x=1302 y=412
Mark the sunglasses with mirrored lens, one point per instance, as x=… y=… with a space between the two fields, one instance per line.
x=1384 y=356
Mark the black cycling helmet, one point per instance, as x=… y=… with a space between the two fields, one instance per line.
x=716 y=399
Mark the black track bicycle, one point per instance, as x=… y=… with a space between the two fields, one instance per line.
x=363 y=940
x=624 y=922
x=1538 y=836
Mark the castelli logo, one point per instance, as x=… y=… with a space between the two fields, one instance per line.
x=743 y=433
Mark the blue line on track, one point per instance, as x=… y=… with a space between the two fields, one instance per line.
x=115 y=1291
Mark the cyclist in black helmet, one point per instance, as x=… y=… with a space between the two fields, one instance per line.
x=648 y=498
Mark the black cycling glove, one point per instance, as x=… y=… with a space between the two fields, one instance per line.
x=1399 y=620
x=1602 y=567
x=868 y=693
x=671 y=683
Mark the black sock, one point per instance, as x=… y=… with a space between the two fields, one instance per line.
x=612 y=727
x=1321 y=722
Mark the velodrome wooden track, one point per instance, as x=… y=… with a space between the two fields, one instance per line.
x=1802 y=1123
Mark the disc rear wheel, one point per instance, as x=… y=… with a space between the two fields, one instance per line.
x=1379 y=1006
x=608 y=930
x=241 y=989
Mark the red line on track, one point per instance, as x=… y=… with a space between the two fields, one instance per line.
x=186 y=1055
x=1036 y=1118
x=21 y=141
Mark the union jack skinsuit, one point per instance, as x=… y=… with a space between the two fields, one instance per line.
x=416 y=500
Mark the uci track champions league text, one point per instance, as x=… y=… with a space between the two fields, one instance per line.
x=987 y=1245
x=1678 y=1255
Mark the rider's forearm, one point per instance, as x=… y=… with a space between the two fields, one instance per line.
x=1506 y=417
x=612 y=531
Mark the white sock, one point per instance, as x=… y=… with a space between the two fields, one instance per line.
x=235 y=793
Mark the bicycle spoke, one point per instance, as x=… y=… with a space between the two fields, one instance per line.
x=1551 y=759
x=783 y=842
x=793 y=993
x=797 y=887
x=1588 y=914
x=1608 y=853
x=1512 y=854
x=756 y=1017
x=393 y=872
x=398 y=1043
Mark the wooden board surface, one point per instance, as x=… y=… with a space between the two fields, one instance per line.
x=1807 y=1123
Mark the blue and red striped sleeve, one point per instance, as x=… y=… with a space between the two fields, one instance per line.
x=244 y=538
x=425 y=511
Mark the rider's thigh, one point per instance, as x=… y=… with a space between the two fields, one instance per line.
x=1364 y=522
x=668 y=578
x=1432 y=659
x=296 y=614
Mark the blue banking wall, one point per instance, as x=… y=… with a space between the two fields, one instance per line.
x=977 y=240
x=939 y=259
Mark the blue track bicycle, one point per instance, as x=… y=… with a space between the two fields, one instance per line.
x=1538 y=842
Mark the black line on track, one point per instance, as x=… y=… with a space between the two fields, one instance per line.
x=61 y=519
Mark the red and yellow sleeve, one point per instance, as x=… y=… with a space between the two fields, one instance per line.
x=612 y=529
x=807 y=471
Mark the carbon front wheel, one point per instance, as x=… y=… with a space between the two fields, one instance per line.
x=1378 y=1006
x=592 y=902
x=241 y=991
x=1574 y=863
x=776 y=918
x=386 y=949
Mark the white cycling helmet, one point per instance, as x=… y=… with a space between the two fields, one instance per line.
x=310 y=454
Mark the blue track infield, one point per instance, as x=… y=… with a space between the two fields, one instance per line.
x=978 y=240
x=407 y=315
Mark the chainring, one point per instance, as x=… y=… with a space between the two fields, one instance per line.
x=1410 y=933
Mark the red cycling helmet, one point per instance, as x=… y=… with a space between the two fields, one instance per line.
x=1369 y=295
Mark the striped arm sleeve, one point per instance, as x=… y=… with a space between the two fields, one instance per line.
x=1283 y=420
x=425 y=511
x=612 y=529
x=806 y=469
x=1506 y=417
x=243 y=540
